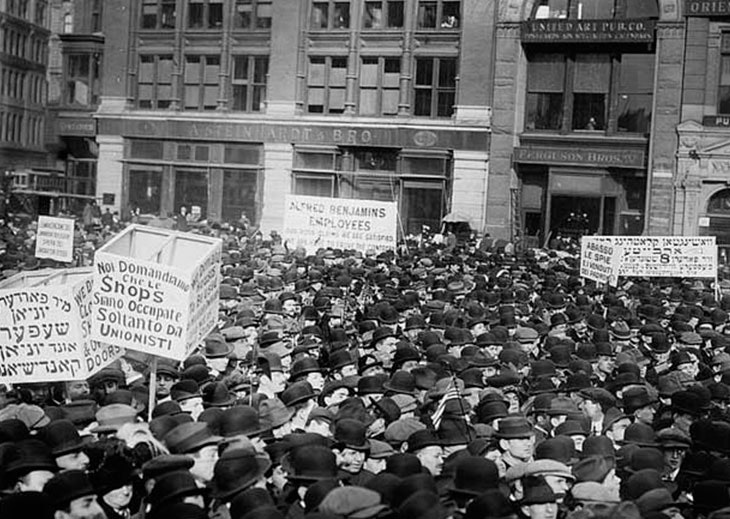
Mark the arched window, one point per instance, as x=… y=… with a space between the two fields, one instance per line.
x=596 y=9
x=719 y=204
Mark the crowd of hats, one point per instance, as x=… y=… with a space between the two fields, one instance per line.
x=465 y=381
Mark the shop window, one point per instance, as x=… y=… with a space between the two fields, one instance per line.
x=82 y=85
x=197 y=153
x=252 y=14
x=239 y=195
x=379 y=86
x=596 y=9
x=314 y=185
x=191 y=190
x=316 y=160
x=422 y=206
x=425 y=165
x=386 y=14
x=326 y=85
x=590 y=91
x=201 y=82
x=439 y=14
x=723 y=99
x=248 y=83
x=205 y=14
x=158 y=14
x=330 y=15
x=145 y=189
x=435 y=87
x=383 y=189
x=375 y=159
x=635 y=94
x=242 y=154
x=587 y=101
x=154 y=83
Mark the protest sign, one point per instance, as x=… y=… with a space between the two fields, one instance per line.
x=599 y=259
x=648 y=256
x=667 y=256
x=156 y=291
x=45 y=328
x=318 y=222
x=55 y=238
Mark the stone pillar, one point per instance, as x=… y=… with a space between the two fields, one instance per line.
x=282 y=82
x=469 y=189
x=475 y=67
x=504 y=107
x=109 y=176
x=665 y=118
x=278 y=163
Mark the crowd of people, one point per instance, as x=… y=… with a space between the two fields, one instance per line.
x=457 y=380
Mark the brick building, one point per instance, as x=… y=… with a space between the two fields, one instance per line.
x=227 y=105
x=586 y=102
x=24 y=33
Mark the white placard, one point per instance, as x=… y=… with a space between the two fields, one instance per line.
x=156 y=291
x=319 y=222
x=599 y=259
x=45 y=329
x=55 y=238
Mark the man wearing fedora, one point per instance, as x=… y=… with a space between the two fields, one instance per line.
x=195 y=440
x=539 y=501
x=516 y=441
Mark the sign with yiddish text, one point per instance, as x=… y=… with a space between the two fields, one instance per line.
x=55 y=238
x=316 y=222
x=667 y=256
x=45 y=329
x=648 y=256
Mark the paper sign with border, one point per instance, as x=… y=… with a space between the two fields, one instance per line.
x=55 y=239
x=315 y=222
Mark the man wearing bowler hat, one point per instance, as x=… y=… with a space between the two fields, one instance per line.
x=73 y=497
x=351 y=447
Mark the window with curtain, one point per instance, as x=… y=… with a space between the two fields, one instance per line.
x=591 y=84
x=545 y=86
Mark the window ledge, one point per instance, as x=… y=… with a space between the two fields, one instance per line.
x=593 y=137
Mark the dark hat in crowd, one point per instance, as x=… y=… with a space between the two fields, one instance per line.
x=237 y=470
x=190 y=437
x=492 y=504
x=312 y=463
x=514 y=427
x=474 y=475
x=27 y=456
x=537 y=491
x=25 y=505
x=62 y=437
x=173 y=485
x=165 y=463
x=352 y=502
x=67 y=486
x=297 y=393
x=241 y=420
x=351 y=434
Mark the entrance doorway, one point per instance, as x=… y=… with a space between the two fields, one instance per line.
x=574 y=216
